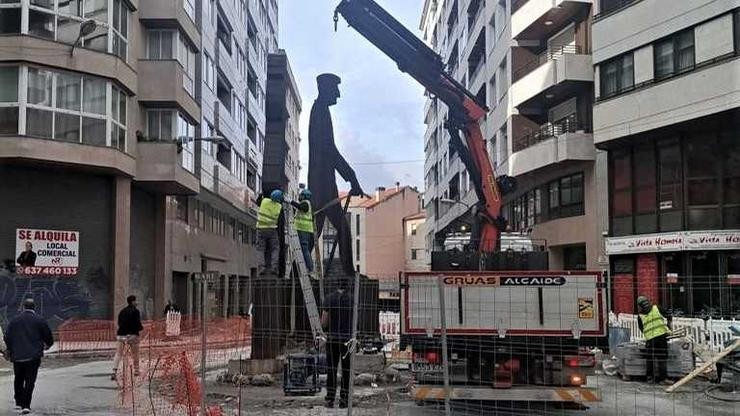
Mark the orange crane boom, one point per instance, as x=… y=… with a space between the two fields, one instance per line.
x=414 y=57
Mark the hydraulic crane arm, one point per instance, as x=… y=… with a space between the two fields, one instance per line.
x=418 y=60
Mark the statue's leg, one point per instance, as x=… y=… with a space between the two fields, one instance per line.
x=337 y=219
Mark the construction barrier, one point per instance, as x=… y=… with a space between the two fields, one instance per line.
x=712 y=333
x=97 y=335
x=172 y=324
x=720 y=333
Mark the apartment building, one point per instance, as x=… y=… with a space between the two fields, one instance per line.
x=530 y=62
x=130 y=131
x=417 y=256
x=282 y=159
x=667 y=111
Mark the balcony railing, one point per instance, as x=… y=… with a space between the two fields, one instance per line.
x=608 y=8
x=548 y=131
x=543 y=58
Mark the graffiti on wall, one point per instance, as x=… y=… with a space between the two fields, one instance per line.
x=57 y=299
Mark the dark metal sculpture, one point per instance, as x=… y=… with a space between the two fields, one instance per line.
x=324 y=160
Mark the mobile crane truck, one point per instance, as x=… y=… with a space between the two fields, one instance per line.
x=515 y=332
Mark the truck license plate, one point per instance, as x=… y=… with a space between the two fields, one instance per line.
x=426 y=368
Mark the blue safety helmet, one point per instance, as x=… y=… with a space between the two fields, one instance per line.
x=305 y=194
x=277 y=195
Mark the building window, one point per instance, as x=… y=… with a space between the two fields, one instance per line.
x=413 y=254
x=120 y=29
x=731 y=180
x=621 y=193
x=357 y=224
x=210 y=15
x=566 y=197
x=646 y=220
x=160 y=44
x=736 y=29
x=617 y=75
x=60 y=20
x=574 y=257
x=10 y=19
x=209 y=72
x=118 y=119
x=170 y=125
x=693 y=187
x=703 y=182
x=63 y=106
x=189 y=6
x=9 y=104
x=357 y=250
x=171 y=44
x=413 y=229
x=181 y=208
x=674 y=55
x=670 y=191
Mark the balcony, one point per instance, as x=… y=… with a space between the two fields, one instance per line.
x=655 y=104
x=539 y=19
x=159 y=169
x=161 y=83
x=551 y=144
x=60 y=153
x=17 y=48
x=169 y=14
x=230 y=188
x=553 y=74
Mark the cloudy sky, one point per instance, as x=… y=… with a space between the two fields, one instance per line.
x=378 y=121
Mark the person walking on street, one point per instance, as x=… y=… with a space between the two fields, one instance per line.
x=129 y=326
x=655 y=330
x=268 y=240
x=337 y=318
x=304 y=226
x=27 y=337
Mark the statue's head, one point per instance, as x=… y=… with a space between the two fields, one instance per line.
x=328 y=88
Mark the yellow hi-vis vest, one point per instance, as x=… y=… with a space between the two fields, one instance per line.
x=304 y=220
x=267 y=216
x=653 y=324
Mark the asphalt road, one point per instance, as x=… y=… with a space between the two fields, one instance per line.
x=84 y=388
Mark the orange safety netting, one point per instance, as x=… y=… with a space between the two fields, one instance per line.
x=169 y=382
x=77 y=335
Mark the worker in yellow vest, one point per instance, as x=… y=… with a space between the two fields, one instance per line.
x=656 y=331
x=268 y=240
x=304 y=225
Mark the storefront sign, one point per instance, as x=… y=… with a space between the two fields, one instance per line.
x=712 y=240
x=47 y=252
x=671 y=278
x=678 y=241
x=648 y=243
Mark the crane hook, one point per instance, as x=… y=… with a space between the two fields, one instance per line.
x=336 y=19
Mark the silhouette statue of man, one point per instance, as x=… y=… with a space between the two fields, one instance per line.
x=323 y=160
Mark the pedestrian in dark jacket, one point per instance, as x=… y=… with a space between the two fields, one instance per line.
x=129 y=326
x=27 y=337
x=336 y=318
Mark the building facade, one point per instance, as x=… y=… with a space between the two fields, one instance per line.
x=377 y=231
x=667 y=111
x=418 y=258
x=282 y=160
x=530 y=62
x=135 y=143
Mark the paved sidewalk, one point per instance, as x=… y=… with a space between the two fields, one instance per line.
x=81 y=389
